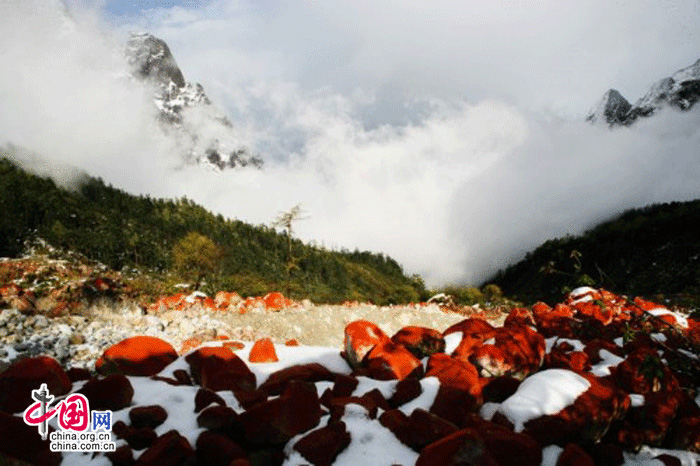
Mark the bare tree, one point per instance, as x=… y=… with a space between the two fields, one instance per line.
x=286 y=221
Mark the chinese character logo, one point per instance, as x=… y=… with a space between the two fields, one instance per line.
x=73 y=413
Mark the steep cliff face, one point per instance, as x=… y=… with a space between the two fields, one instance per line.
x=680 y=90
x=184 y=109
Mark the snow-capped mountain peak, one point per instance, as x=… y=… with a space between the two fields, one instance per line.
x=681 y=90
x=184 y=109
x=612 y=108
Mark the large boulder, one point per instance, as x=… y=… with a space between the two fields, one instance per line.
x=140 y=356
x=219 y=368
x=360 y=337
x=18 y=381
x=422 y=342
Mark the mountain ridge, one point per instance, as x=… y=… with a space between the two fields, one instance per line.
x=681 y=91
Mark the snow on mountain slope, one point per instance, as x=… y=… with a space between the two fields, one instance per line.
x=185 y=111
x=680 y=90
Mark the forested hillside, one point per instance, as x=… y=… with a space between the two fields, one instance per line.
x=650 y=251
x=119 y=229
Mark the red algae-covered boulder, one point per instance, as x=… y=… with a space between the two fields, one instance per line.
x=644 y=373
x=215 y=449
x=114 y=392
x=148 y=416
x=472 y=326
x=276 y=421
x=219 y=368
x=291 y=342
x=141 y=356
x=275 y=301
x=170 y=449
x=419 y=429
x=18 y=381
x=562 y=357
x=206 y=397
x=464 y=447
x=519 y=316
x=514 y=351
x=23 y=442
x=554 y=322
x=573 y=455
x=460 y=388
x=277 y=382
x=420 y=341
x=360 y=337
x=389 y=361
x=263 y=351
x=559 y=406
x=322 y=446
x=190 y=344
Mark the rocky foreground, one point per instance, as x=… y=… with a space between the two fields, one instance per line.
x=597 y=380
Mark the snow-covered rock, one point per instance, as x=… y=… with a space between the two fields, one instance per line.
x=681 y=91
x=184 y=110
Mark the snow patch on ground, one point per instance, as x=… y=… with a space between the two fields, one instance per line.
x=543 y=393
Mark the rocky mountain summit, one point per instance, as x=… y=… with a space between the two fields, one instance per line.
x=681 y=91
x=185 y=110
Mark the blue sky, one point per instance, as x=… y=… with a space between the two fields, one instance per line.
x=135 y=7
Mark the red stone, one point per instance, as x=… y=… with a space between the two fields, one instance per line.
x=501 y=443
x=419 y=429
x=219 y=368
x=344 y=385
x=573 y=455
x=205 y=397
x=122 y=456
x=275 y=301
x=114 y=392
x=460 y=388
x=464 y=447
x=76 y=374
x=23 y=442
x=472 y=326
x=406 y=390
x=389 y=361
x=139 y=438
x=141 y=356
x=686 y=434
x=491 y=361
x=263 y=351
x=313 y=372
x=498 y=389
x=291 y=342
x=276 y=421
x=584 y=421
x=214 y=449
x=148 y=416
x=360 y=337
x=420 y=341
x=668 y=460
x=18 y=381
x=170 y=449
x=519 y=316
x=322 y=446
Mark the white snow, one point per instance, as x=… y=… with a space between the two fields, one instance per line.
x=369 y=438
x=488 y=410
x=365 y=385
x=581 y=294
x=645 y=457
x=550 y=343
x=636 y=400
x=452 y=341
x=680 y=319
x=543 y=393
x=551 y=454
x=608 y=360
x=426 y=399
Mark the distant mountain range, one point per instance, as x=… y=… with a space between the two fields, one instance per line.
x=185 y=110
x=681 y=90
